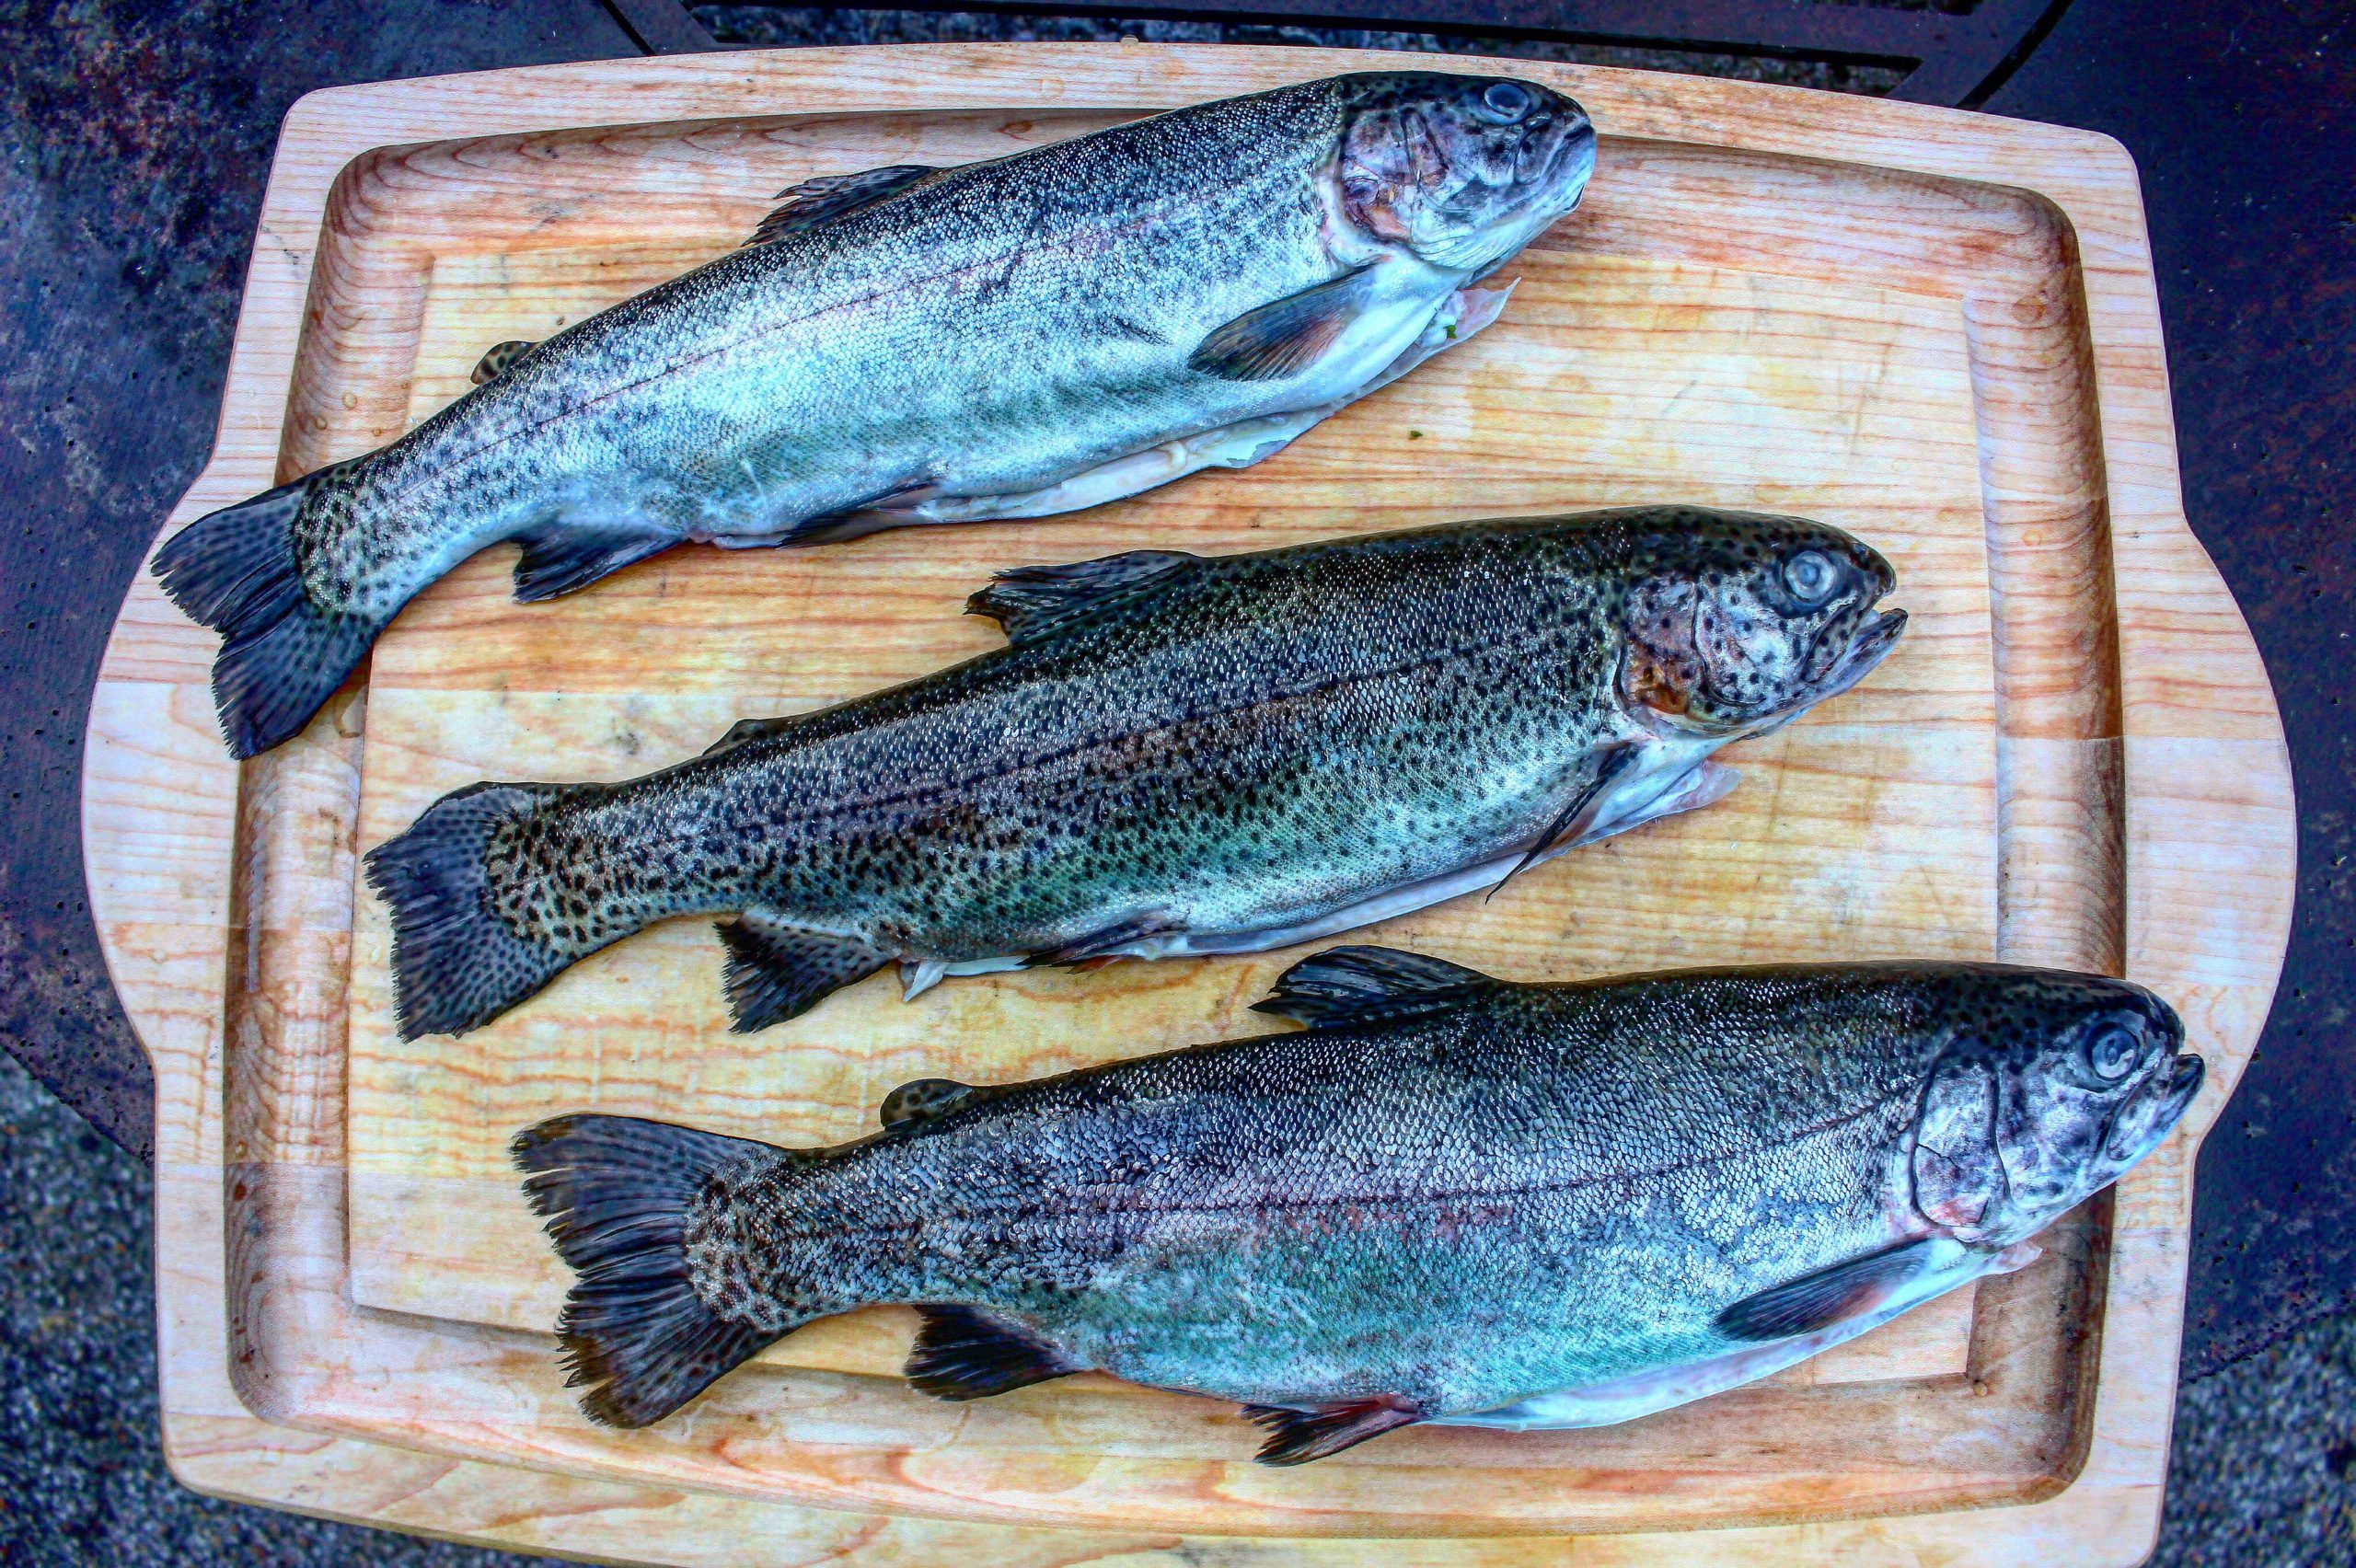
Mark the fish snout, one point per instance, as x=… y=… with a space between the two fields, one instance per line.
x=2158 y=1104
x=1866 y=649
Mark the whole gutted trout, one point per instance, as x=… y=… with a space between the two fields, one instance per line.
x=1176 y=754
x=1452 y=1200
x=1010 y=339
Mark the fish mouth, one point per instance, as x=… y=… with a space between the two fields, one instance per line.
x=2153 y=1112
x=1558 y=177
x=1866 y=649
x=2176 y=1095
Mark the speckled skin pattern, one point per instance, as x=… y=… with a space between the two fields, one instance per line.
x=1525 y=1189
x=987 y=331
x=1237 y=743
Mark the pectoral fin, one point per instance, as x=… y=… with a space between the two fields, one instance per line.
x=1297 y=1436
x=1847 y=1290
x=1285 y=336
x=1573 y=821
x=776 y=971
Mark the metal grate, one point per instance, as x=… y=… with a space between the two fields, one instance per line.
x=1948 y=51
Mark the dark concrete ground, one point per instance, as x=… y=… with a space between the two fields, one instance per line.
x=134 y=141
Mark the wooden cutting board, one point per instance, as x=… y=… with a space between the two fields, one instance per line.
x=1935 y=330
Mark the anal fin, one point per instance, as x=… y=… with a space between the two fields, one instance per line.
x=777 y=971
x=1297 y=1436
x=961 y=1353
x=559 y=556
x=1850 y=1288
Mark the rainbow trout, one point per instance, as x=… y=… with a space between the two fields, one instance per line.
x=1452 y=1200
x=1010 y=339
x=1176 y=754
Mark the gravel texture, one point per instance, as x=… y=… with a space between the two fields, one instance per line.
x=82 y=1479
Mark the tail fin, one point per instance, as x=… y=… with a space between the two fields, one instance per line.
x=282 y=654
x=615 y=1193
x=456 y=965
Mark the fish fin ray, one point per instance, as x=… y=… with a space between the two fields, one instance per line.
x=777 y=970
x=1028 y=602
x=832 y=196
x=1829 y=1296
x=745 y=731
x=615 y=1193
x=1284 y=336
x=455 y=964
x=498 y=357
x=1297 y=1436
x=924 y=1100
x=560 y=557
x=961 y=1353
x=283 y=654
x=1101 y=943
x=1573 y=820
x=1359 y=985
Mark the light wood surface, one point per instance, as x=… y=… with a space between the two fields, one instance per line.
x=1936 y=329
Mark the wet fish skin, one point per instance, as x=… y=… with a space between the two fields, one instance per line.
x=1452 y=1199
x=1007 y=339
x=1176 y=755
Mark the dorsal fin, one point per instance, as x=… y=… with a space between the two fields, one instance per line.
x=924 y=1099
x=1361 y=984
x=831 y=196
x=1031 y=601
x=499 y=356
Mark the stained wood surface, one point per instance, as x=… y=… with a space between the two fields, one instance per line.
x=1936 y=329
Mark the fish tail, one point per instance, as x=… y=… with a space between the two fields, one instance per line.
x=619 y=1195
x=282 y=653
x=459 y=957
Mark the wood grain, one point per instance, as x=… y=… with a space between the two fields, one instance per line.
x=1936 y=329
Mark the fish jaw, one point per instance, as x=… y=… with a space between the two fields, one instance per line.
x=1865 y=654
x=1617 y=1400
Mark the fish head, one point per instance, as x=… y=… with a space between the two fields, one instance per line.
x=1462 y=170
x=1739 y=622
x=2052 y=1087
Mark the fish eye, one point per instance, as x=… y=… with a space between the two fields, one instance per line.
x=1507 y=100
x=1810 y=576
x=2112 y=1051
